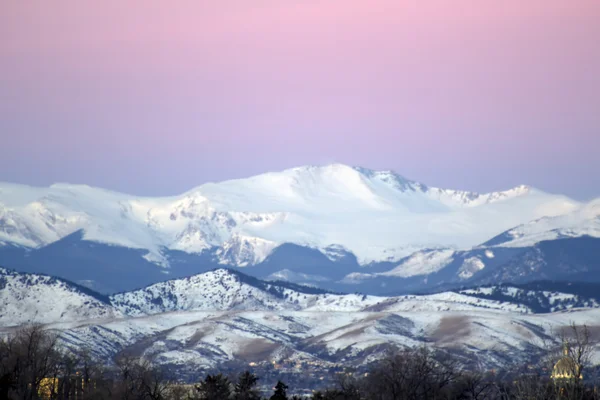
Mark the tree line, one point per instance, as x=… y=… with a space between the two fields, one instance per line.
x=33 y=365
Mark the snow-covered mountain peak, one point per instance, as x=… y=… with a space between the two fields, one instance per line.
x=376 y=215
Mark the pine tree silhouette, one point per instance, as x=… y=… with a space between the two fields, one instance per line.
x=280 y=392
x=245 y=388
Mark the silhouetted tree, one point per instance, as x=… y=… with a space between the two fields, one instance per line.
x=26 y=359
x=280 y=391
x=410 y=375
x=214 y=387
x=245 y=388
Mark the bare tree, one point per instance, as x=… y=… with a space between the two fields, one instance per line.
x=476 y=386
x=410 y=375
x=139 y=379
x=27 y=359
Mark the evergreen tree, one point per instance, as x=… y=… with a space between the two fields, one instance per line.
x=214 y=387
x=280 y=392
x=245 y=388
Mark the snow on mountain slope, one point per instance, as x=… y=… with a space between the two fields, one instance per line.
x=376 y=215
x=216 y=290
x=422 y=263
x=222 y=290
x=583 y=221
x=324 y=339
x=30 y=298
x=470 y=267
x=222 y=316
x=286 y=275
x=537 y=300
x=225 y=290
x=427 y=262
x=27 y=298
x=244 y=250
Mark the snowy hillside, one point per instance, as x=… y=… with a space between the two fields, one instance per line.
x=422 y=263
x=30 y=298
x=215 y=290
x=222 y=290
x=455 y=266
x=185 y=341
x=537 y=299
x=583 y=221
x=376 y=215
x=223 y=316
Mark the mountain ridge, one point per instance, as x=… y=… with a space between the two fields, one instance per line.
x=264 y=322
x=333 y=226
x=305 y=205
x=221 y=289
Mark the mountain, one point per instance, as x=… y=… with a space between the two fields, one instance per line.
x=215 y=290
x=583 y=221
x=575 y=259
x=572 y=259
x=223 y=289
x=223 y=317
x=247 y=219
x=337 y=219
x=542 y=296
x=33 y=298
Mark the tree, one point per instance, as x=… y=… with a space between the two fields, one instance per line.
x=152 y=383
x=214 y=387
x=245 y=388
x=280 y=392
x=27 y=359
x=412 y=374
x=9 y=368
x=137 y=379
x=349 y=388
x=476 y=386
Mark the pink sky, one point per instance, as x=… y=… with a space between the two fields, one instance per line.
x=155 y=97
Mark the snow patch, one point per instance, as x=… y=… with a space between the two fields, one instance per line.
x=422 y=263
x=470 y=267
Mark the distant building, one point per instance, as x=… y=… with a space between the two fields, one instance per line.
x=70 y=387
x=566 y=368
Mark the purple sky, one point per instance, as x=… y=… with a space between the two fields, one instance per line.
x=156 y=97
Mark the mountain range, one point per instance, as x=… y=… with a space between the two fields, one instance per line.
x=223 y=316
x=336 y=227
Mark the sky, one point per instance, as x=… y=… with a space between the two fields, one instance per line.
x=156 y=97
